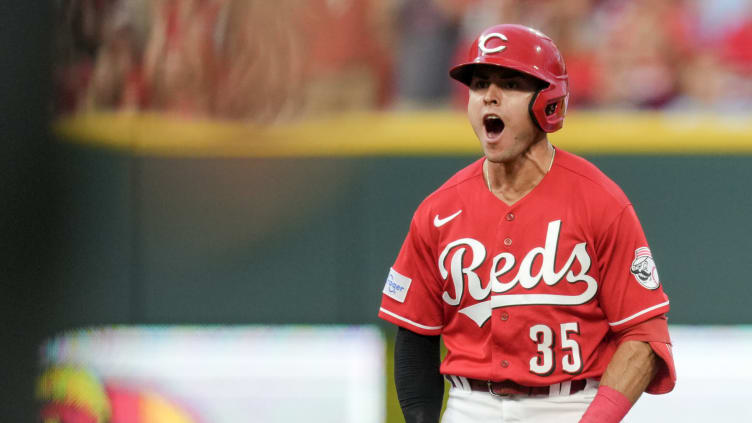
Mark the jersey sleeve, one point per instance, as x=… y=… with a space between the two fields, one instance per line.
x=655 y=332
x=412 y=293
x=630 y=291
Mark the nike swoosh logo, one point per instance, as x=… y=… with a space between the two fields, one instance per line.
x=441 y=222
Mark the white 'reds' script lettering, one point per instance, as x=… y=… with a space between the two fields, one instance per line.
x=505 y=262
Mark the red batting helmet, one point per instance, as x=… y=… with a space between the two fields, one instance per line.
x=528 y=51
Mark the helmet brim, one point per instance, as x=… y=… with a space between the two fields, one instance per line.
x=464 y=71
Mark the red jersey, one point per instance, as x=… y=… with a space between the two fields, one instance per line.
x=531 y=292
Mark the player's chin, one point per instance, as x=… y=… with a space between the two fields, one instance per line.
x=495 y=156
x=498 y=153
x=493 y=148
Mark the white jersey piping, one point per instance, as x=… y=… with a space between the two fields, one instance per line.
x=647 y=310
x=396 y=316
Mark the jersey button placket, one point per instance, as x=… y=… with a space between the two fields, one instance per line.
x=507 y=223
x=500 y=327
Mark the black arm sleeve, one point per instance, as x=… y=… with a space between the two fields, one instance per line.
x=420 y=387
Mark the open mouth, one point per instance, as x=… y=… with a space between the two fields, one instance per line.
x=494 y=125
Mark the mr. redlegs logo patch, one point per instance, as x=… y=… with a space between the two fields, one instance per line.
x=644 y=270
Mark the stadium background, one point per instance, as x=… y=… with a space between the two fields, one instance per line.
x=143 y=195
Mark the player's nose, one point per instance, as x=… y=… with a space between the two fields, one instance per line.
x=493 y=95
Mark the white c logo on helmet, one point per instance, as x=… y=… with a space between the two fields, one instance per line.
x=484 y=39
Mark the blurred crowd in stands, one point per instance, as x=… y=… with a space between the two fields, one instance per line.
x=263 y=61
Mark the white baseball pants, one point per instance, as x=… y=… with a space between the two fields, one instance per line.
x=466 y=406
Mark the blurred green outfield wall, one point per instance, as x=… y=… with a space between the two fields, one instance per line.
x=200 y=239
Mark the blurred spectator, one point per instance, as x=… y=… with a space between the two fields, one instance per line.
x=117 y=80
x=260 y=57
x=347 y=62
x=426 y=29
x=641 y=44
x=77 y=38
x=704 y=84
x=180 y=57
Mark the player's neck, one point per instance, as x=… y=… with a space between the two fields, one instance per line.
x=510 y=181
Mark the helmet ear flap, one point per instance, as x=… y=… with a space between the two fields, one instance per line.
x=548 y=107
x=551 y=108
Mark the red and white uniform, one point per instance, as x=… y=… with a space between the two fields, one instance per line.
x=533 y=292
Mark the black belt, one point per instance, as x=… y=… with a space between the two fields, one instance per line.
x=507 y=387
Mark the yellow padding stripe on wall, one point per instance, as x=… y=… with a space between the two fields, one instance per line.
x=399 y=134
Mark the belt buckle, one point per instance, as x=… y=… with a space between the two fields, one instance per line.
x=491 y=391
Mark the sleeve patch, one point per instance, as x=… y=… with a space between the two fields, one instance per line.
x=644 y=270
x=397 y=285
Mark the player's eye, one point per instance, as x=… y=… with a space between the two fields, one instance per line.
x=510 y=84
x=478 y=84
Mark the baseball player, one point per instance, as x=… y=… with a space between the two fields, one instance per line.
x=530 y=264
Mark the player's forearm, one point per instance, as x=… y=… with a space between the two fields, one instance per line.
x=631 y=369
x=629 y=372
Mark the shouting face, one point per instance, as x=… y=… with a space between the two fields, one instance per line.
x=498 y=109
